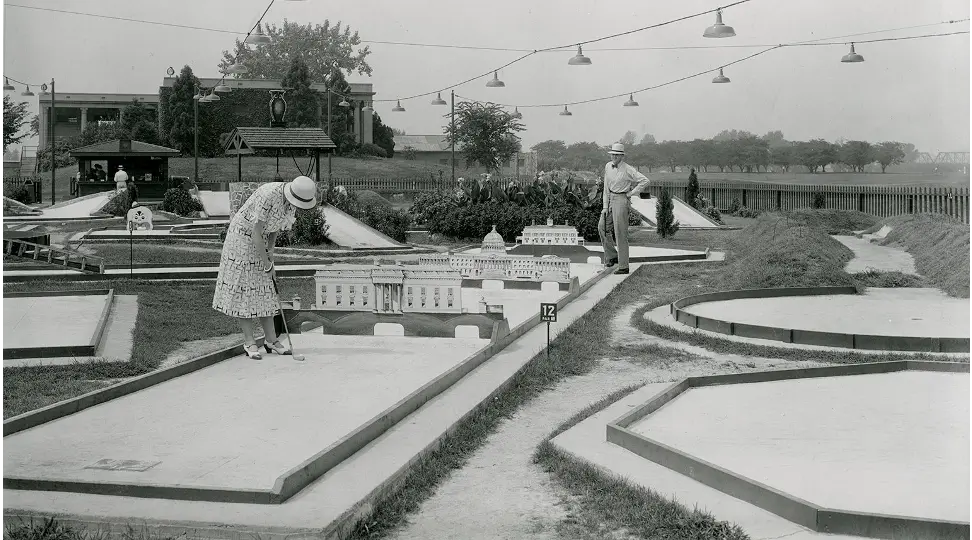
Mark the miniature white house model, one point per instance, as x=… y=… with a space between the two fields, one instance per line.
x=492 y=262
x=550 y=234
x=389 y=289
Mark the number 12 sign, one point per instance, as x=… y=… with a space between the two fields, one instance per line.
x=548 y=312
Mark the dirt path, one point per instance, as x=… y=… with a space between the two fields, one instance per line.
x=501 y=494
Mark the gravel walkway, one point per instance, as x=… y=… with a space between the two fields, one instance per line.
x=500 y=493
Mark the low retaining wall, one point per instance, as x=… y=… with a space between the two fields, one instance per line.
x=802 y=512
x=806 y=337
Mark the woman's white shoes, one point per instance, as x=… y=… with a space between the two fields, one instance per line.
x=276 y=347
x=253 y=351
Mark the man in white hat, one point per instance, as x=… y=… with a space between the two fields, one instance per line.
x=121 y=179
x=621 y=183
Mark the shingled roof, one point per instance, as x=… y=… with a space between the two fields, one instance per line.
x=113 y=148
x=244 y=140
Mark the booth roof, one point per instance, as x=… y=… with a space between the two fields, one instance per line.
x=113 y=148
x=263 y=138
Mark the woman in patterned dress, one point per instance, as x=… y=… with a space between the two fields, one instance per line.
x=244 y=285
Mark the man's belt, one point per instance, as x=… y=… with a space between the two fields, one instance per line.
x=618 y=192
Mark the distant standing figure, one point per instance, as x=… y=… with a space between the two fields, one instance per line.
x=100 y=173
x=121 y=179
x=244 y=283
x=621 y=183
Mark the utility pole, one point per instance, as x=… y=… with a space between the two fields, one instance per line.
x=330 y=135
x=53 y=123
x=453 y=138
x=195 y=136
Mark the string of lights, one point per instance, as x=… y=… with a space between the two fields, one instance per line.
x=700 y=73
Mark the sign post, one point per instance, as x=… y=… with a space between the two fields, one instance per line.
x=548 y=314
x=131 y=249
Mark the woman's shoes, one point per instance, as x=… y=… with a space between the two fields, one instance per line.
x=276 y=347
x=253 y=351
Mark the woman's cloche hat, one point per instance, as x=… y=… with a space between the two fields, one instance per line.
x=301 y=192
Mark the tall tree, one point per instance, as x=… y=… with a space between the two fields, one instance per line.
x=693 y=190
x=177 y=127
x=648 y=138
x=302 y=101
x=485 y=134
x=585 y=156
x=139 y=123
x=15 y=116
x=382 y=135
x=856 y=154
x=628 y=138
x=323 y=47
x=889 y=153
x=550 y=154
x=341 y=117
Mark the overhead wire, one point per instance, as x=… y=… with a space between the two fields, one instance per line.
x=700 y=73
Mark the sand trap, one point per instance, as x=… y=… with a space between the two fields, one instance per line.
x=870 y=256
x=918 y=312
x=895 y=443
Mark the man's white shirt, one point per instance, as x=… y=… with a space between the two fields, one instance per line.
x=623 y=179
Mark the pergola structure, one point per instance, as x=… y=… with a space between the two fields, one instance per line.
x=248 y=140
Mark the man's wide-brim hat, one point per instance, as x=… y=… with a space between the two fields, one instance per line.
x=301 y=192
x=617 y=149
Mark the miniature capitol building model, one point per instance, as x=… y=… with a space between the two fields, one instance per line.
x=493 y=262
x=391 y=289
x=550 y=234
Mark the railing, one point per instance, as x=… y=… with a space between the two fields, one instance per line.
x=33 y=185
x=881 y=201
x=67 y=258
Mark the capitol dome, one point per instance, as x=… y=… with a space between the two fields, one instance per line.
x=493 y=243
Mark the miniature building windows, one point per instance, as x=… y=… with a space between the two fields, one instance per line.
x=323 y=294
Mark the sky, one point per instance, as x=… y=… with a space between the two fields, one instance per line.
x=913 y=91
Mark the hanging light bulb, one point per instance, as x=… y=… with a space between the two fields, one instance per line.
x=344 y=103
x=257 y=37
x=212 y=96
x=27 y=92
x=565 y=112
x=720 y=78
x=719 y=30
x=495 y=83
x=222 y=88
x=199 y=95
x=631 y=102
x=438 y=100
x=852 y=56
x=516 y=113
x=398 y=107
x=579 y=59
x=6 y=85
x=368 y=109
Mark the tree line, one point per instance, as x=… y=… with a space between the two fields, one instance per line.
x=729 y=151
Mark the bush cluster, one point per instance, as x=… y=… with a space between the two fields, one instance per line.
x=180 y=201
x=442 y=214
x=18 y=192
x=118 y=205
x=703 y=205
x=369 y=149
x=737 y=209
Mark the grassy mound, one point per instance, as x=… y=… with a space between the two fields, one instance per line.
x=788 y=251
x=837 y=222
x=940 y=246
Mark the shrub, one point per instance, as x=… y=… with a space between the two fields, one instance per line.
x=310 y=228
x=745 y=212
x=369 y=149
x=714 y=213
x=180 y=201
x=118 y=205
x=665 y=215
x=735 y=206
x=18 y=192
x=378 y=215
x=368 y=198
x=693 y=189
x=818 y=201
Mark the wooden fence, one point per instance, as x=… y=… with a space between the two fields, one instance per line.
x=881 y=201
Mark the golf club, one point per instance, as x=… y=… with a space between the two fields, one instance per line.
x=298 y=357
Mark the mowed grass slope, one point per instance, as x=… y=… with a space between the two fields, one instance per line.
x=939 y=245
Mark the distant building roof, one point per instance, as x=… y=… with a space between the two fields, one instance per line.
x=422 y=143
x=113 y=148
x=246 y=139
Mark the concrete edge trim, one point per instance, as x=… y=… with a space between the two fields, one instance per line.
x=70 y=406
x=74 y=292
x=736 y=485
x=45 y=351
x=144 y=491
x=345 y=521
x=102 y=320
x=814 y=517
x=807 y=337
x=293 y=481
